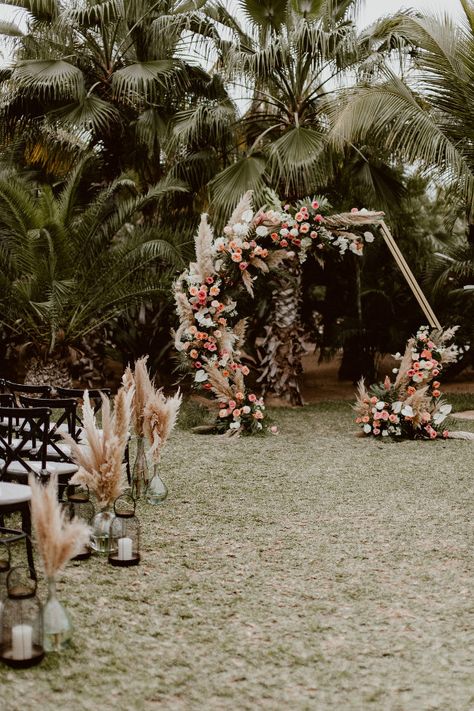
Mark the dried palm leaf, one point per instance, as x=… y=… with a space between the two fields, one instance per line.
x=239 y=332
x=260 y=264
x=353 y=219
x=220 y=385
x=247 y=279
x=58 y=539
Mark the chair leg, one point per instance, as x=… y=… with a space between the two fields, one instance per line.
x=26 y=527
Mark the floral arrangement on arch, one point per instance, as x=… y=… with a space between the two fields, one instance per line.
x=210 y=335
x=412 y=406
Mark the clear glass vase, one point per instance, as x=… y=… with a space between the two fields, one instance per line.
x=140 y=471
x=157 y=490
x=57 y=625
x=101 y=530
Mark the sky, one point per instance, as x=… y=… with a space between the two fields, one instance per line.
x=373 y=9
x=378 y=8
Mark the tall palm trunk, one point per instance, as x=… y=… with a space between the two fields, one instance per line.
x=281 y=363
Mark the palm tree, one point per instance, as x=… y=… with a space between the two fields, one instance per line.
x=111 y=76
x=426 y=117
x=70 y=263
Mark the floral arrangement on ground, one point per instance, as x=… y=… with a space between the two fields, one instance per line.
x=210 y=336
x=412 y=405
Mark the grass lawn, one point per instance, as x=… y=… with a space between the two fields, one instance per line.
x=311 y=570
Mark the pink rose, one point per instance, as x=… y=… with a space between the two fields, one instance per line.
x=236 y=413
x=258 y=415
x=315 y=204
x=252 y=397
x=232 y=404
x=245 y=370
x=243 y=266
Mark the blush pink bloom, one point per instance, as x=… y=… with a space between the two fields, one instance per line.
x=384 y=415
x=436 y=393
x=243 y=266
x=393 y=417
x=223 y=413
x=283 y=243
x=319 y=218
x=258 y=415
x=274 y=429
x=315 y=204
x=252 y=397
x=366 y=418
x=445 y=433
x=232 y=404
x=376 y=431
x=313 y=234
x=193 y=290
x=435 y=372
x=236 y=257
x=214 y=290
x=355 y=209
x=236 y=413
x=193 y=353
x=299 y=217
x=239 y=396
x=245 y=370
x=373 y=400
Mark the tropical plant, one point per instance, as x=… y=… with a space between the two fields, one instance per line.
x=114 y=76
x=66 y=267
x=426 y=117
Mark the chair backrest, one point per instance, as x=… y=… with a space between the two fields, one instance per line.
x=65 y=411
x=7 y=400
x=95 y=397
x=25 y=427
x=17 y=389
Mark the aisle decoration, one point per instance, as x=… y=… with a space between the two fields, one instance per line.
x=154 y=418
x=159 y=419
x=139 y=382
x=412 y=405
x=210 y=335
x=58 y=539
x=100 y=462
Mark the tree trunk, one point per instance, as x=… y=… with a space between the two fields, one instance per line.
x=281 y=363
x=55 y=373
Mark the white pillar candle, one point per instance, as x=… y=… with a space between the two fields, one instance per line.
x=124 y=548
x=22 y=642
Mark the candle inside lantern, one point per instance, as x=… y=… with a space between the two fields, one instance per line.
x=22 y=642
x=125 y=549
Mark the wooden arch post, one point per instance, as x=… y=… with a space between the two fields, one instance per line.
x=409 y=276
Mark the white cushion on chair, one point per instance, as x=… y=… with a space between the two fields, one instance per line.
x=13 y=493
x=59 y=468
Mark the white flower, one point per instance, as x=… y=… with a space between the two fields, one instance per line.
x=240 y=229
x=396 y=406
x=218 y=243
x=384 y=433
x=369 y=237
x=415 y=355
x=235 y=425
x=363 y=211
x=380 y=405
x=397 y=356
x=306 y=242
x=367 y=428
x=200 y=376
x=261 y=231
x=353 y=248
x=395 y=370
x=294 y=232
x=247 y=215
x=284 y=232
x=407 y=411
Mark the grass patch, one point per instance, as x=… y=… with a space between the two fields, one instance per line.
x=311 y=570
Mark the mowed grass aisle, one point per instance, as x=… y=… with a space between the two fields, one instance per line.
x=312 y=570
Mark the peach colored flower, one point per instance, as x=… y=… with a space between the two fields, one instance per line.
x=436 y=383
x=193 y=290
x=425 y=353
x=283 y=243
x=223 y=413
x=393 y=417
x=366 y=418
x=214 y=290
x=445 y=433
x=373 y=400
x=411 y=390
x=232 y=404
x=239 y=396
x=435 y=372
x=193 y=353
x=258 y=415
x=236 y=257
x=436 y=393
x=236 y=413
x=217 y=334
x=245 y=370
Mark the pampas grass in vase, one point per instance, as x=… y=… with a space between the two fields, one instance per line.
x=58 y=539
x=139 y=381
x=160 y=415
x=101 y=461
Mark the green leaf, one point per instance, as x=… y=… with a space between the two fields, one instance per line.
x=52 y=78
x=143 y=78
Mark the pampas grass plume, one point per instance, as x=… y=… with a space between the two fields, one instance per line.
x=58 y=539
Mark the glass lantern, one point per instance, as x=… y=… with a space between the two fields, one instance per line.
x=80 y=506
x=124 y=537
x=22 y=622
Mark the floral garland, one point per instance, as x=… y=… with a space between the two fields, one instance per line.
x=210 y=335
x=412 y=406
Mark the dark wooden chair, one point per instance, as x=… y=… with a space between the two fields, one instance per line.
x=33 y=434
x=64 y=410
